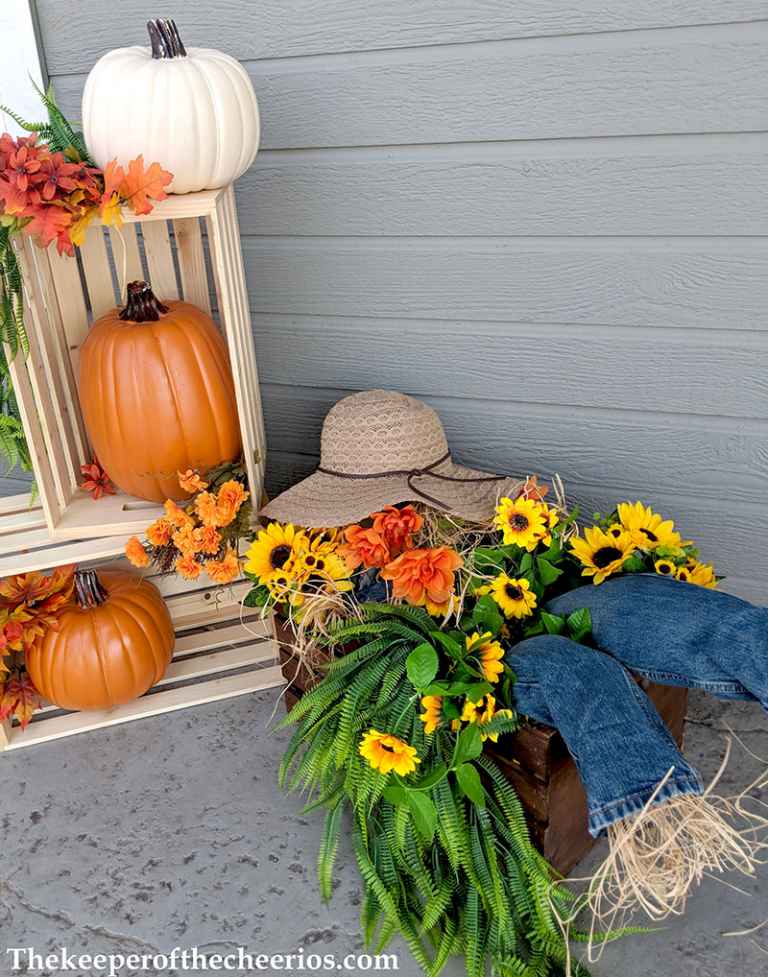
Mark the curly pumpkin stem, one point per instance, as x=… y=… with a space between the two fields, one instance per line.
x=88 y=590
x=164 y=38
x=142 y=305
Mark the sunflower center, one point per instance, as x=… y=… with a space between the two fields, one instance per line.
x=320 y=565
x=606 y=555
x=279 y=556
x=513 y=592
x=518 y=521
x=651 y=536
x=665 y=568
x=387 y=747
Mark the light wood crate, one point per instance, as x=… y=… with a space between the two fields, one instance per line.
x=63 y=296
x=222 y=650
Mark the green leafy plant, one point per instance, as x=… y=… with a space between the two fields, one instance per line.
x=443 y=849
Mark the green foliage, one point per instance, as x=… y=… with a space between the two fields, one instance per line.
x=444 y=852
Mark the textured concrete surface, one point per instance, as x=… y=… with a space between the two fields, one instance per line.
x=171 y=831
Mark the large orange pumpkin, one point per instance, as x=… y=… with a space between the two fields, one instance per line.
x=157 y=395
x=113 y=644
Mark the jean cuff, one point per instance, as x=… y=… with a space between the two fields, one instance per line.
x=602 y=815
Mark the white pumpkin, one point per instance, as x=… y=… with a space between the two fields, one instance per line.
x=193 y=112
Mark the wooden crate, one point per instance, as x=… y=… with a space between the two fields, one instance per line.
x=62 y=296
x=535 y=760
x=222 y=649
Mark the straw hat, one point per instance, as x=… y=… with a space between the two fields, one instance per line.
x=380 y=448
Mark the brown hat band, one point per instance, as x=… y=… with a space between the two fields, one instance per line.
x=411 y=473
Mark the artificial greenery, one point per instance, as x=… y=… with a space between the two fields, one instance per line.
x=446 y=858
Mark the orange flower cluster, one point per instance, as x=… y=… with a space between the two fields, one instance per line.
x=52 y=198
x=391 y=532
x=422 y=577
x=30 y=604
x=196 y=531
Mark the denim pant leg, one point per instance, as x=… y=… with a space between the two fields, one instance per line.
x=613 y=732
x=677 y=633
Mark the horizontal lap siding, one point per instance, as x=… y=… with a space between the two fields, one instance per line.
x=548 y=219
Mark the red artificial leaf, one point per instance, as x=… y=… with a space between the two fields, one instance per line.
x=96 y=481
x=19 y=699
x=109 y=204
x=142 y=184
x=48 y=224
x=13 y=200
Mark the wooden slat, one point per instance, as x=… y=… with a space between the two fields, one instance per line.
x=157 y=248
x=126 y=255
x=22 y=517
x=149 y=705
x=62 y=297
x=188 y=644
x=205 y=606
x=57 y=553
x=22 y=373
x=226 y=256
x=191 y=256
x=224 y=660
x=97 y=273
x=115 y=515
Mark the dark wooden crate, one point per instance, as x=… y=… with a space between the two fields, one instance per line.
x=536 y=761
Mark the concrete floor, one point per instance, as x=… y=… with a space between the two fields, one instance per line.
x=171 y=831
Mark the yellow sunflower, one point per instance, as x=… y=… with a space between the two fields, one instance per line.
x=703 y=575
x=284 y=587
x=513 y=595
x=665 y=567
x=481 y=713
x=490 y=653
x=684 y=574
x=433 y=712
x=600 y=553
x=522 y=521
x=647 y=528
x=385 y=753
x=274 y=550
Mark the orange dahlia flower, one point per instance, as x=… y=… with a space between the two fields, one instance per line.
x=207 y=539
x=188 y=567
x=175 y=515
x=136 y=552
x=397 y=526
x=190 y=481
x=224 y=570
x=230 y=498
x=364 y=546
x=159 y=532
x=423 y=575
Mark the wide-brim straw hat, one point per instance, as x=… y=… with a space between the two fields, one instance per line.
x=381 y=448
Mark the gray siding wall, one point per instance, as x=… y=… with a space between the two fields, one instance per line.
x=547 y=219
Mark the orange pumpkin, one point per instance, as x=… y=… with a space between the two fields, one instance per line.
x=156 y=394
x=111 y=645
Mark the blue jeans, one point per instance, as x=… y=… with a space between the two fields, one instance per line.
x=671 y=632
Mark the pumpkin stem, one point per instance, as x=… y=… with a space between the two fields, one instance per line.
x=165 y=40
x=88 y=590
x=141 y=305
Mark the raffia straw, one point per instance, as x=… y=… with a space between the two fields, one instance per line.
x=657 y=856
